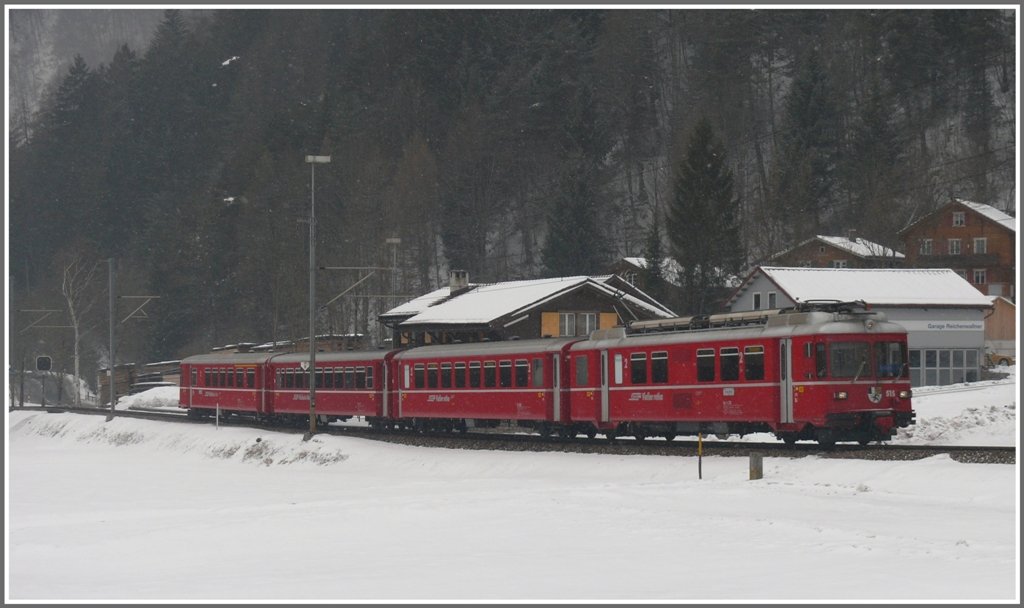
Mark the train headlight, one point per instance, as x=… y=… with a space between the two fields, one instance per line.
x=905 y=394
x=840 y=395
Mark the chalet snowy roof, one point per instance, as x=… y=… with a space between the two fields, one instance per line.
x=991 y=213
x=879 y=286
x=483 y=303
x=861 y=247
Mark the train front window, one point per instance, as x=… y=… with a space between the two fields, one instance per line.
x=890 y=360
x=849 y=359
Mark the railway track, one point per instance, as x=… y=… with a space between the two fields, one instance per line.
x=525 y=442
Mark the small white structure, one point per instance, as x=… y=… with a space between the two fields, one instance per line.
x=944 y=315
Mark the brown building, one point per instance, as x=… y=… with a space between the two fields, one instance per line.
x=977 y=241
x=564 y=306
x=839 y=252
x=1001 y=330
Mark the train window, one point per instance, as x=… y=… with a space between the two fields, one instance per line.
x=505 y=373
x=339 y=380
x=460 y=375
x=240 y=378
x=705 y=365
x=289 y=378
x=659 y=367
x=329 y=377
x=360 y=377
x=730 y=363
x=753 y=362
x=419 y=375
x=369 y=376
x=891 y=360
x=223 y=373
x=319 y=377
x=194 y=376
x=638 y=368
x=300 y=378
x=490 y=377
x=581 y=371
x=522 y=372
x=432 y=375
x=446 y=375
x=250 y=378
x=406 y=376
x=538 y=373
x=350 y=377
x=849 y=359
x=820 y=360
x=474 y=374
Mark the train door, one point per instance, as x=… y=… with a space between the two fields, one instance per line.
x=604 y=386
x=786 y=380
x=556 y=386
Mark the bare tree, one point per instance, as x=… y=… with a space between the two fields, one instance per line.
x=78 y=273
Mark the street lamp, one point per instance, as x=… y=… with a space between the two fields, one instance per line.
x=313 y=162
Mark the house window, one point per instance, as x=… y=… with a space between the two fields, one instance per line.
x=959 y=219
x=926 y=246
x=840 y=264
x=980 y=276
x=757 y=301
x=821 y=249
x=586 y=322
x=772 y=299
x=566 y=324
x=961 y=272
x=981 y=245
x=954 y=246
x=630 y=277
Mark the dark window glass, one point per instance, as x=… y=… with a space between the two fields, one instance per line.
x=820 y=360
x=849 y=359
x=522 y=372
x=206 y=377
x=659 y=367
x=194 y=376
x=582 y=371
x=730 y=363
x=638 y=368
x=319 y=376
x=360 y=377
x=538 y=373
x=432 y=375
x=753 y=362
x=889 y=360
x=223 y=381
x=705 y=365
x=418 y=372
x=446 y=375
x=505 y=373
x=490 y=374
x=289 y=378
x=474 y=374
x=369 y=377
x=240 y=378
x=915 y=359
x=250 y=378
x=460 y=375
x=350 y=377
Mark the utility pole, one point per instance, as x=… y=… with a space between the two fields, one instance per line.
x=110 y=368
x=313 y=162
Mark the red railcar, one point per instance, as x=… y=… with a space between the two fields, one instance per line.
x=347 y=384
x=825 y=375
x=481 y=384
x=230 y=382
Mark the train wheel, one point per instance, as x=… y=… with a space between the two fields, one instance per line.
x=610 y=435
x=544 y=430
x=591 y=433
x=566 y=433
x=789 y=439
x=670 y=436
x=826 y=439
x=639 y=436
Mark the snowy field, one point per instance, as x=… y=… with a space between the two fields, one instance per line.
x=138 y=510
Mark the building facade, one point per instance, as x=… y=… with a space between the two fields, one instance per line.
x=977 y=241
x=943 y=314
x=839 y=252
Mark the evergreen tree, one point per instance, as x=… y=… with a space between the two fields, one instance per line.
x=654 y=267
x=702 y=223
x=574 y=245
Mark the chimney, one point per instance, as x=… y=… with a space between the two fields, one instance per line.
x=458 y=280
x=851 y=234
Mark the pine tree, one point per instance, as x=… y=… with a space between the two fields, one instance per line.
x=574 y=245
x=702 y=223
x=654 y=267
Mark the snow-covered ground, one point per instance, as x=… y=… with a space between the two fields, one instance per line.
x=138 y=510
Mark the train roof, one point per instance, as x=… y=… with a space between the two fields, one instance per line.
x=473 y=349
x=325 y=357
x=227 y=358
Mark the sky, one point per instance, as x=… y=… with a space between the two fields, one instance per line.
x=148 y=511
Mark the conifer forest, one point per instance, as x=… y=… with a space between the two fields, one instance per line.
x=513 y=144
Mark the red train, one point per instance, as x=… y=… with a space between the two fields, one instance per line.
x=824 y=372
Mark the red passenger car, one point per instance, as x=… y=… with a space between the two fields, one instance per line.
x=231 y=382
x=347 y=384
x=481 y=384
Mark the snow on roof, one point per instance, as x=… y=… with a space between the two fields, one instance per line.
x=881 y=286
x=861 y=247
x=991 y=213
x=669 y=267
x=483 y=303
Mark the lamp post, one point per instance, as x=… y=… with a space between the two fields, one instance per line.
x=313 y=162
